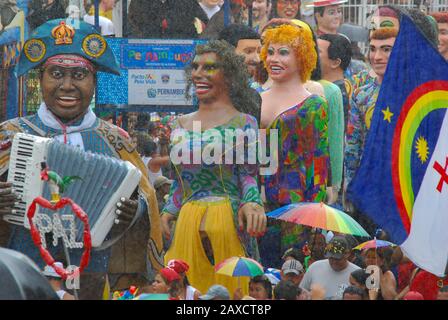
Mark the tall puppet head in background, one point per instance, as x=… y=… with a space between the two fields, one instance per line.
x=385 y=17
x=328 y=15
x=442 y=24
x=389 y=16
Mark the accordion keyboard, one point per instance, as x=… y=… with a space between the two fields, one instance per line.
x=27 y=152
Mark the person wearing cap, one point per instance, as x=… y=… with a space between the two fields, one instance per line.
x=333 y=273
x=162 y=185
x=292 y=270
x=328 y=15
x=167 y=281
x=68 y=60
x=216 y=292
x=186 y=291
x=442 y=24
x=55 y=281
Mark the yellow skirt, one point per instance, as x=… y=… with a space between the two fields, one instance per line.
x=221 y=231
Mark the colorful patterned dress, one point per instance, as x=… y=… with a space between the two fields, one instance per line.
x=218 y=188
x=303 y=154
x=302 y=173
x=335 y=131
x=362 y=105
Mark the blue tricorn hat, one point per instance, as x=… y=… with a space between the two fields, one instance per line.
x=61 y=36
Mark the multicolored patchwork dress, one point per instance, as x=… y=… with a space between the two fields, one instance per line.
x=303 y=165
x=211 y=184
x=362 y=105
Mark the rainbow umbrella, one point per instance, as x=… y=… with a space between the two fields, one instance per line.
x=239 y=267
x=319 y=215
x=373 y=244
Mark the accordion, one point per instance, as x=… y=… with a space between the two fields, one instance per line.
x=104 y=181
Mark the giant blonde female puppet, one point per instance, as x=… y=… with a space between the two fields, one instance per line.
x=300 y=119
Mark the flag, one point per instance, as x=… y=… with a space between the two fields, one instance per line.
x=427 y=244
x=404 y=133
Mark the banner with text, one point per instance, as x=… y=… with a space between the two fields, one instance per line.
x=152 y=73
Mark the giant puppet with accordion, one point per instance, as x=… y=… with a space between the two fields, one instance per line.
x=110 y=207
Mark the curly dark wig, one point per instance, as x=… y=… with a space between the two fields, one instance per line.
x=235 y=74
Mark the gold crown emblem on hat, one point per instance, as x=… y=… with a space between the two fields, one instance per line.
x=336 y=247
x=63 y=33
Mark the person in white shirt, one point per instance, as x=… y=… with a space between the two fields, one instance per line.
x=55 y=281
x=333 y=273
x=210 y=7
x=106 y=25
x=152 y=160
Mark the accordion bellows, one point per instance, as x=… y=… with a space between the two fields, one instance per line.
x=104 y=181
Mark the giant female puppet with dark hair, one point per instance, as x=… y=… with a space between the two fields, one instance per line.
x=214 y=192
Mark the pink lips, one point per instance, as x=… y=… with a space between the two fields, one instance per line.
x=68 y=101
x=275 y=69
x=290 y=13
x=202 y=87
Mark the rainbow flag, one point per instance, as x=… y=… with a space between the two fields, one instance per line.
x=404 y=132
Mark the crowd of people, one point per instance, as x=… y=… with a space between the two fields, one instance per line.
x=292 y=75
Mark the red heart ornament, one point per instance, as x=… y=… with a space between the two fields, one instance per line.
x=35 y=234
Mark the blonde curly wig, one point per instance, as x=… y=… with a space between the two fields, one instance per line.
x=298 y=38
